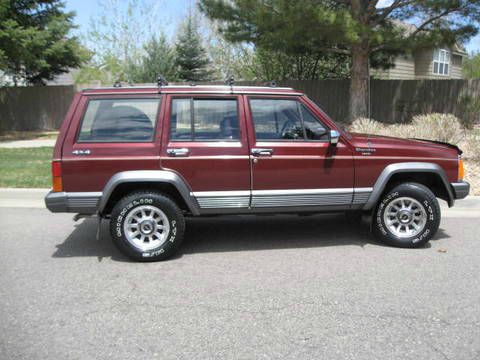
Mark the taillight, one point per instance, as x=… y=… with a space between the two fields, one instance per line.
x=57 y=184
x=461 y=170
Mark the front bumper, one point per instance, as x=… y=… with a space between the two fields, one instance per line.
x=460 y=189
x=75 y=202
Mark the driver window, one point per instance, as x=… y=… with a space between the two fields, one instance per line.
x=282 y=119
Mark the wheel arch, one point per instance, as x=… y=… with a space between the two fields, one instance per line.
x=165 y=181
x=428 y=174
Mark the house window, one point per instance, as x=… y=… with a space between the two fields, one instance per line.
x=441 y=62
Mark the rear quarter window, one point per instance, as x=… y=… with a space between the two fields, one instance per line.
x=119 y=120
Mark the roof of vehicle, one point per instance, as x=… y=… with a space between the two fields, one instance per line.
x=193 y=89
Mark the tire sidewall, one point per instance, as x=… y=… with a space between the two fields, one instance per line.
x=125 y=206
x=429 y=204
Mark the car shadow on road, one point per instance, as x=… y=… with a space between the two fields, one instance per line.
x=234 y=233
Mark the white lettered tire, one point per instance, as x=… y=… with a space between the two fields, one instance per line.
x=147 y=226
x=407 y=216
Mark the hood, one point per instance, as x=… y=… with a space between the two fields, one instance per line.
x=367 y=143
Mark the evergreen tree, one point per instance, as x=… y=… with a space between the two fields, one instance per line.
x=367 y=31
x=191 y=57
x=34 y=40
x=159 y=59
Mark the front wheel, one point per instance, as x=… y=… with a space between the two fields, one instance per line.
x=147 y=226
x=407 y=216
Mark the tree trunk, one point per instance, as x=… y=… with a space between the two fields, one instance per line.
x=359 y=85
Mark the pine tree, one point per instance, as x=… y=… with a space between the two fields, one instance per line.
x=191 y=57
x=367 y=31
x=34 y=40
x=159 y=59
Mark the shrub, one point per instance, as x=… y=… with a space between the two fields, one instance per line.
x=471 y=147
x=367 y=126
x=440 y=127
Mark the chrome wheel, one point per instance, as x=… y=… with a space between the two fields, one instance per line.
x=146 y=227
x=405 y=217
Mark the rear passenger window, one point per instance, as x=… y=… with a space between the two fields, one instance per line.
x=281 y=119
x=119 y=120
x=204 y=120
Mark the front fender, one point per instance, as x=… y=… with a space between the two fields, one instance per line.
x=407 y=167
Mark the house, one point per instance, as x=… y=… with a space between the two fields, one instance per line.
x=436 y=63
x=439 y=63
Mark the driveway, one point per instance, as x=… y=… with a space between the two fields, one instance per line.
x=243 y=287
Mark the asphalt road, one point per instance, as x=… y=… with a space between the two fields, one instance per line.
x=243 y=288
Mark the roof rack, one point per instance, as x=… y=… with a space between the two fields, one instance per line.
x=161 y=82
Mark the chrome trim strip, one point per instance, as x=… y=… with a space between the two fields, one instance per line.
x=281 y=198
x=220 y=193
x=302 y=191
x=225 y=202
x=312 y=199
x=206 y=157
x=362 y=190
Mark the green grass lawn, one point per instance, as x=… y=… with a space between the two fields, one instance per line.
x=26 y=168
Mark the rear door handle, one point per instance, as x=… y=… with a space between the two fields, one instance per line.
x=81 y=152
x=178 y=152
x=262 y=152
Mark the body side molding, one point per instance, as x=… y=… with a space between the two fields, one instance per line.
x=153 y=176
x=407 y=167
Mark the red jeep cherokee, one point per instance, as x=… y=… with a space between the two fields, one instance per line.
x=146 y=157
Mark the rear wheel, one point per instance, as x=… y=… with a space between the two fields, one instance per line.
x=147 y=226
x=407 y=216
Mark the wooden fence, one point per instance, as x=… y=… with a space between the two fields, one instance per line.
x=33 y=108
x=393 y=101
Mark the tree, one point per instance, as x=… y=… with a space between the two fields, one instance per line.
x=116 y=36
x=159 y=59
x=471 y=66
x=35 y=44
x=192 y=61
x=366 y=31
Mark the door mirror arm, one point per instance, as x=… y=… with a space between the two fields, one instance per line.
x=334 y=137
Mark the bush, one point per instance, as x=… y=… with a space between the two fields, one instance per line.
x=471 y=147
x=367 y=126
x=439 y=127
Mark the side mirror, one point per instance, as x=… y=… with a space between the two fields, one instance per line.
x=334 y=136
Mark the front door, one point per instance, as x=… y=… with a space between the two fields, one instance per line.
x=205 y=141
x=293 y=163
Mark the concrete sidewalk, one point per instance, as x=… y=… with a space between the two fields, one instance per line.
x=18 y=144
x=33 y=198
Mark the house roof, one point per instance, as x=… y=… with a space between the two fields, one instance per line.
x=456 y=48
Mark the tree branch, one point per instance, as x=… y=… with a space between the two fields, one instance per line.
x=431 y=20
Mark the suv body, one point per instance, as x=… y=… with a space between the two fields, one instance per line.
x=212 y=150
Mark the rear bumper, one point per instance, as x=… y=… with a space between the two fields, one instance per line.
x=460 y=189
x=75 y=202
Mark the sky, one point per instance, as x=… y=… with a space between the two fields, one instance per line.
x=173 y=11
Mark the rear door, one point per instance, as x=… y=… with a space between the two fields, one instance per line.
x=293 y=163
x=205 y=141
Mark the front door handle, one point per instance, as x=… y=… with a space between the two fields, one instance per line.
x=81 y=152
x=179 y=152
x=262 y=152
